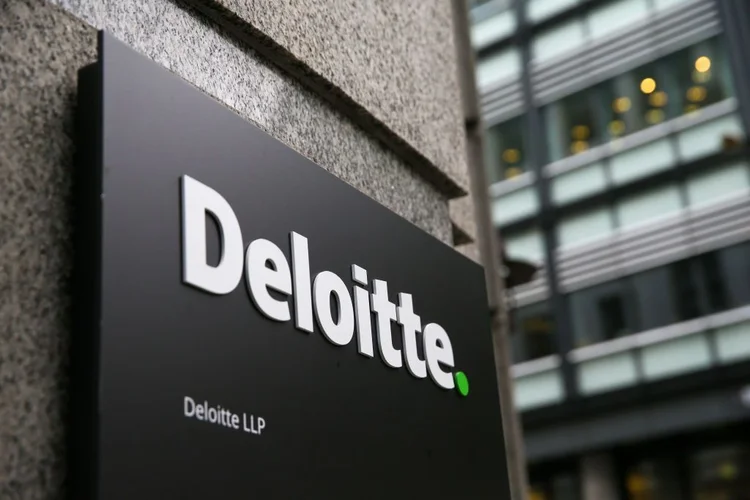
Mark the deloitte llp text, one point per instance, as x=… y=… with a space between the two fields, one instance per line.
x=266 y=268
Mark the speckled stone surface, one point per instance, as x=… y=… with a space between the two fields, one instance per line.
x=395 y=59
x=388 y=66
x=471 y=251
x=203 y=54
x=41 y=49
x=462 y=215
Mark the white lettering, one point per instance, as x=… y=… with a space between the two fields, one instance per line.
x=189 y=407
x=303 y=306
x=197 y=200
x=267 y=269
x=261 y=424
x=437 y=350
x=385 y=310
x=411 y=324
x=363 y=316
x=261 y=278
x=328 y=284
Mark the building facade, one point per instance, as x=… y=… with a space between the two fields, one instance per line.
x=616 y=146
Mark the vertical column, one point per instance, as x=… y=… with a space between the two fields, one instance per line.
x=735 y=18
x=537 y=157
x=598 y=477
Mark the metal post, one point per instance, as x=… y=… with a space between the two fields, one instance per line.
x=735 y=17
x=536 y=157
x=489 y=245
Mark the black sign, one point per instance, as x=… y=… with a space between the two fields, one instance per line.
x=250 y=326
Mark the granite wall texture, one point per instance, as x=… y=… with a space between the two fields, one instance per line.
x=389 y=65
x=41 y=47
x=204 y=54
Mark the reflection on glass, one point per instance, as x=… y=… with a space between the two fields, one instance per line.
x=504 y=151
x=571 y=126
x=705 y=284
x=555 y=485
x=603 y=312
x=533 y=332
x=683 y=82
x=700 y=76
x=721 y=473
x=654 y=480
x=734 y=263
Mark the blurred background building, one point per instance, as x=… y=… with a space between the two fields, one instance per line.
x=617 y=154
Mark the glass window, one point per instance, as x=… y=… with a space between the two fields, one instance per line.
x=603 y=312
x=493 y=29
x=555 y=481
x=533 y=332
x=655 y=296
x=697 y=77
x=721 y=473
x=526 y=245
x=578 y=183
x=572 y=126
x=718 y=184
x=713 y=282
x=633 y=101
x=498 y=67
x=584 y=227
x=686 y=292
x=709 y=137
x=505 y=152
x=615 y=15
x=649 y=205
x=654 y=480
x=515 y=205
x=671 y=294
x=539 y=10
x=557 y=40
x=734 y=263
x=667 y=4
x=651 y=94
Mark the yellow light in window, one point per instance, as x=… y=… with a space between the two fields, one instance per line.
x=536 y=494
x=637 y=483
x=621 y=105
x=580 y=132
x=579 y=147
x=728 y=470
x=616 y=128
x=702 y=64
x=696 y=93
x=691 y=108
x=512 y=172
x=648 y=85
x=654 y=116
x=511 y=155
x=699 y=77
x=658 y=99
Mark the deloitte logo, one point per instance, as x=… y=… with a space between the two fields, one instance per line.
x=266 y=268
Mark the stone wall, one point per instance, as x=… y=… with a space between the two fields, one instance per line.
x=368 y=92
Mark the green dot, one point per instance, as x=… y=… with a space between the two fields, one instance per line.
x=462 y=383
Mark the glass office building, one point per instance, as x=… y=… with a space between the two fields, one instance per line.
x=617 y=153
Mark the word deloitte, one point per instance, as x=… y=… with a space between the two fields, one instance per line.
x=267 y=269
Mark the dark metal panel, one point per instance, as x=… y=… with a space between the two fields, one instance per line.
x=338 y=424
